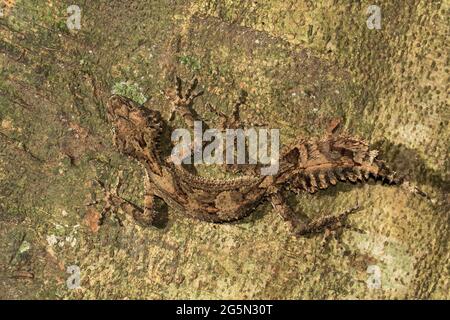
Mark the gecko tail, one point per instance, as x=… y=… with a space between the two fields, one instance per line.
x=411 y=188
x=403 y=181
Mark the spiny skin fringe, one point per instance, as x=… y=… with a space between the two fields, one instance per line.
x=318 y=165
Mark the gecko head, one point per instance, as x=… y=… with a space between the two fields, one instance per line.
x=136 y=128
x=122 y=108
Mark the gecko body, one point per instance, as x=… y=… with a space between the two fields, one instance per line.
x=305 y=165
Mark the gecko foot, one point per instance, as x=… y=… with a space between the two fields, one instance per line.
x=327 y=223
x=181 y=103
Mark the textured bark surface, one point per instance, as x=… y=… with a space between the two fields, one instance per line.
x=302 y=63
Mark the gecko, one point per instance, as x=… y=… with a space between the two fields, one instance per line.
x=306 y=165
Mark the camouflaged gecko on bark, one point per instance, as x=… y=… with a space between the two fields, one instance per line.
x=306 y=165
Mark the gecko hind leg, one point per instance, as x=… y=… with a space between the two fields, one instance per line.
x=300 y=227
x=329 y=222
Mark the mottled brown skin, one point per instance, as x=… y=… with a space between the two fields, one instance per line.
x=306 y=165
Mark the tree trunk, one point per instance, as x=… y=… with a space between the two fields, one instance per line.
x=302 y=64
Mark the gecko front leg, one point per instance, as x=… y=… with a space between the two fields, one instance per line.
x=145 y=216
x=182 y=103
x=300 y=227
